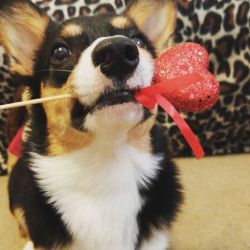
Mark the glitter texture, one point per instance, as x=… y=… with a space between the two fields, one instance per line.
x=182 y=60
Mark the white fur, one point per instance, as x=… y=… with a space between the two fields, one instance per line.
x=143 y=74
x=29 y=246
x=96 y=190
x=158 y=241
x=112 y=123
x=88 y=79
x=90 y=82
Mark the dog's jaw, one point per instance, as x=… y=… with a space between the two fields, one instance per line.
x=114 y=121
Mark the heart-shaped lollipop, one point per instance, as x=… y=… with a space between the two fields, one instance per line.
x=182 y=77
x=182 y=60
x=182 y=81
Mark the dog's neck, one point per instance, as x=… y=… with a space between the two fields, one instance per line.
x=101 y=181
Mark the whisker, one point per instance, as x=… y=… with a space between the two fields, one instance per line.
x=59 y=70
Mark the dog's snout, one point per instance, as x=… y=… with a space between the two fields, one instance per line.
x=118 y=57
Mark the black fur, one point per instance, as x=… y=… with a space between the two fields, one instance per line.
x=45 y=226
x=163 y=196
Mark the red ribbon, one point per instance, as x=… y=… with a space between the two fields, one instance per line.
x=182 y=125
x=150 y=96
x=15 y=145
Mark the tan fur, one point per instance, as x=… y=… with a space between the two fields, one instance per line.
x=63 y=138
x=71 y=30
x=12 y=159
x=140 y=138
x=19 y=215
x=156 y=14
x=166 y=38
x=25 y=97
x=120 y=22
x=21 y=33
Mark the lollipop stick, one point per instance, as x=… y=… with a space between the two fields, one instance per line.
x=34 y=101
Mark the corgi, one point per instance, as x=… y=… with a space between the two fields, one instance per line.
x=95 y=171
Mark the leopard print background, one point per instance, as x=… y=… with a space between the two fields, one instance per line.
x=7 y=90
x=64 y=9
x=223 y=28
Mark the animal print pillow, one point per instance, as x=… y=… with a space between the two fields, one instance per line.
x=221 y=26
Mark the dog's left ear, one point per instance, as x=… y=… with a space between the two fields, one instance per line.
x=156 y=19
x=22 y=29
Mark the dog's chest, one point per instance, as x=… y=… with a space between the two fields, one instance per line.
x=98 y=198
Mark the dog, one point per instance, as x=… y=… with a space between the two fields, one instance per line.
x=95 y=171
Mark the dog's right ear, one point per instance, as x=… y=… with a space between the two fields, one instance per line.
x=22 y=30
x=156 y=19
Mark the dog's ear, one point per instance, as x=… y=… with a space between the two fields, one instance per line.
x=22 y=29
x=156 y=19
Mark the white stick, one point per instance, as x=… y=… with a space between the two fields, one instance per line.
x=34 y=101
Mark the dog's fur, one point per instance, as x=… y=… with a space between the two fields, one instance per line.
x=94 y=174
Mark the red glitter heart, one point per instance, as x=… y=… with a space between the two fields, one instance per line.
x=183 y=60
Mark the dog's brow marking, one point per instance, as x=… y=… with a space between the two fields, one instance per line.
x=120 y=22
x=71 y=30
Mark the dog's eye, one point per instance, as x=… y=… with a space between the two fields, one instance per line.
x=61 y=53
x=139 y=42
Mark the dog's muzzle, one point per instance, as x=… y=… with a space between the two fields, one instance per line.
x=117 y=57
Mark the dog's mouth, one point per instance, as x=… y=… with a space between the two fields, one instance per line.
x=115 y=97
x=107 y=99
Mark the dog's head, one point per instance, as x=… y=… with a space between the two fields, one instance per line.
x=101 y=61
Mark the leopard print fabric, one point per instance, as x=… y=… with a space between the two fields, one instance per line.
x=60 y=10
x=223 y=27
x=7 y=90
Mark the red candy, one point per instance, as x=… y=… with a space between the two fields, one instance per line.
x=181 y=60
x=181 y=76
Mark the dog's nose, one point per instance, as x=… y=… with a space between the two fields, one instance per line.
x=118 y=57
